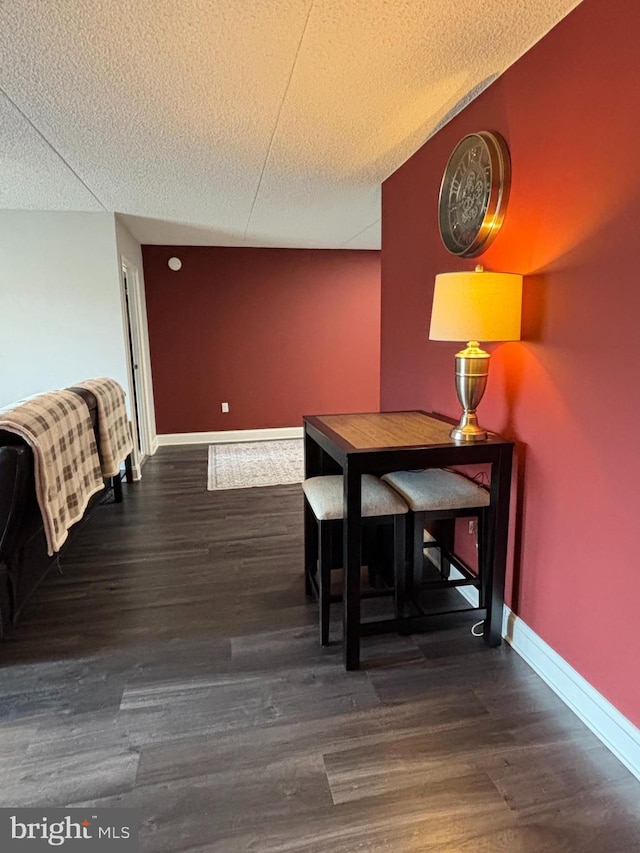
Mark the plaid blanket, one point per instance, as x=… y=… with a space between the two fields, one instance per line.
x=115 y=442
x=57 y=427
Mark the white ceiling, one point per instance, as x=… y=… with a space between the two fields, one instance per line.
x=239 y=122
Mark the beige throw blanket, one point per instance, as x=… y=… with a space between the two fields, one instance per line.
x=57 y=427
x=115 y=442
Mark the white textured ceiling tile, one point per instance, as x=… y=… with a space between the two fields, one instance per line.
x=164 y=232
x=165 y=108
x=32 y=176
x=314 y=206
x=280 y=118
x=374 y=78
x=369 y=238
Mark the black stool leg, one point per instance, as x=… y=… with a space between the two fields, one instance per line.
x=379 y=556
x=310 y=547
x=418 y=550
x=400 y=524
x=324 y=579
x=446 y=535
x=370 y=556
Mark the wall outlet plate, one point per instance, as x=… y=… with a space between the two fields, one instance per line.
x=225 y=407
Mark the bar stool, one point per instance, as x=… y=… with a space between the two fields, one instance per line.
x=323 y=504
x=438 y=495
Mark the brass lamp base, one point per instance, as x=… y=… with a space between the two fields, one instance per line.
x=468 y=429
x=472 y=370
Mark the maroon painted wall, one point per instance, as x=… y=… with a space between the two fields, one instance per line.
x=276 y=333
x=569 y=112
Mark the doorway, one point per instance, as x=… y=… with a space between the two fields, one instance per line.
x=138 y=382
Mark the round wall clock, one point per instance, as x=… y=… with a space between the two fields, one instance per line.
x=474 y=193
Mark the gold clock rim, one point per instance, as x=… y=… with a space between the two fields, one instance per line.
x=500 y=160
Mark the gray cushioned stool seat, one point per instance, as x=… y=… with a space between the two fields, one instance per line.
x=435 y=489
x=325 y=497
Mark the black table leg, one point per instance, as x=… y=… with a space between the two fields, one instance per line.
x=311 y=536
x=497 y=545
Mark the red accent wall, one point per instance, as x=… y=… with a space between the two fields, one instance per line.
x=276 y=333
x=568 y=392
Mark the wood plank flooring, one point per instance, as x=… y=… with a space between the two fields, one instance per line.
x=174 y=666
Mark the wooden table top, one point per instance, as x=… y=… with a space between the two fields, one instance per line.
x=387 y=429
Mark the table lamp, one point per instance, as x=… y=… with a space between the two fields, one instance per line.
x=475 y=306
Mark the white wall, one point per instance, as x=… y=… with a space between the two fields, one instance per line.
x=60 y=302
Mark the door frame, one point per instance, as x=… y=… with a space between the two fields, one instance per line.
x=140 y=383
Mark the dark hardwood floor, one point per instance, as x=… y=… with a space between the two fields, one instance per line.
x=174 y=666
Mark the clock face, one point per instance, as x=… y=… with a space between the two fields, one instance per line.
x=474 y=194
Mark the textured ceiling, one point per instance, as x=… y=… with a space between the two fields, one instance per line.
x=239 y=122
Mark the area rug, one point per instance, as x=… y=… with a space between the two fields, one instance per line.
x=255 y=463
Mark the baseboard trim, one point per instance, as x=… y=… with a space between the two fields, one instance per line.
x=228 y=436
x=615 y=731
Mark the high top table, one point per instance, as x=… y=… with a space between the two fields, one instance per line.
x=378 y=443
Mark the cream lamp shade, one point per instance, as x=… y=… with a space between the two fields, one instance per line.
x=476 y=306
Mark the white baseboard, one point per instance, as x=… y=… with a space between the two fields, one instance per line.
x=227 y=436
x=615 y=731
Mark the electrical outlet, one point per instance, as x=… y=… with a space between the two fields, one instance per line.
x=473 y=527
x=225 y=407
